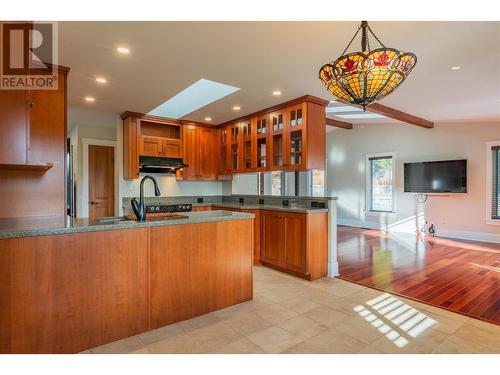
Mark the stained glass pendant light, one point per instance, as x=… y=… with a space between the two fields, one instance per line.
x=367 y=76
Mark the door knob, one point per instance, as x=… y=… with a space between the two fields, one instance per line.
x=93 y=202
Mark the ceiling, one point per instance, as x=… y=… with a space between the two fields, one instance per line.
x=260 y=57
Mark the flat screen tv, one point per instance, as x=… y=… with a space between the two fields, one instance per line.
x=447 y=176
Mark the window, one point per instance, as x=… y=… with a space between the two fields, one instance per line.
x=493 y=182
x=380 y=183
x=276 y=183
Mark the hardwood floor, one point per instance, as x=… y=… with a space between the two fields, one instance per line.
x=460 y=276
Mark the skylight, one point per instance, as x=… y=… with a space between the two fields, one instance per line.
x=361 y=116
x=340 y=109
x=192 y=98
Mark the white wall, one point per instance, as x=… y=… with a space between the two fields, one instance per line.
x=456 y=215
x=245 y=183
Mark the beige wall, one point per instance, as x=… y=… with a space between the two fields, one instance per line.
x=460 y=215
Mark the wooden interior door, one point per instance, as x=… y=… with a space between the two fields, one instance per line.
x=273 y=237
x=101 y=181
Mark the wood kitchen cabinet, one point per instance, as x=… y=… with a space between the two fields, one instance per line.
x=63 y=294
x=202 y=208
x=33 y=150
x=290 y=136
x=13 y=126
x=256 y=228
x=277 y=138
x=161 y=139
x=224 y=151
x=295 y=242
x=198 y=268
x=261 y=143
x=235 y=154
x=149 y=136
x=200 y=146
x=160 y=147
x=249 y=151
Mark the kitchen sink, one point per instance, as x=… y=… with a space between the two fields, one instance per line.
x=112 y=219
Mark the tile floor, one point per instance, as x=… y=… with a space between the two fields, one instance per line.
x=289 y=315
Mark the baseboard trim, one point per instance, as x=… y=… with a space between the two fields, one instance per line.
x=445 y=233
x=358 y=223
x=471 y=236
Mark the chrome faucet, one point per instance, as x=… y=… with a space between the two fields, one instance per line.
x=139 y=209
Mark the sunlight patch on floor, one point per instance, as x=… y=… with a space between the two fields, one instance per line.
x=404 y=318
x=491 y=268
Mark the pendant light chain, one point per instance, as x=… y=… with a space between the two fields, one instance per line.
x=378 y=40
x=354 y=37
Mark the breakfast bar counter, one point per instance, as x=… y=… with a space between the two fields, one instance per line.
x=65 y=289
x=42 y=226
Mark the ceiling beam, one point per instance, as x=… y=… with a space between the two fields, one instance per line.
x=398 y=115
x=338 y=124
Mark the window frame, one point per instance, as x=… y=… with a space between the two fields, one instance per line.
x=368 y=185
x=489 y=182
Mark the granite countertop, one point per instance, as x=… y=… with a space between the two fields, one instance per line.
x=244 y=206
x=41 y=226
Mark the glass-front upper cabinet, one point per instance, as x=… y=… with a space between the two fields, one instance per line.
x=277 y=121
x=261 y=143
x=234 y=132
x=247 y=133
x=277 y=139
x=295 y=130
x=262 y=152
x=223 y=149
x=278 y=148
x=262 y=125
x=246 y=128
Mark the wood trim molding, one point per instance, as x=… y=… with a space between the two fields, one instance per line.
x=198 y=124
x=143 y=116
x=338 y=124
x=399 y=115
x=305 y=98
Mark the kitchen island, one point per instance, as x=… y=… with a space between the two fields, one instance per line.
x=67 y=288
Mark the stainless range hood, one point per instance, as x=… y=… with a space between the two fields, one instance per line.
x=151 y=164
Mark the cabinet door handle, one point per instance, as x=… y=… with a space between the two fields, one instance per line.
x=30 y=104
x=93 y=202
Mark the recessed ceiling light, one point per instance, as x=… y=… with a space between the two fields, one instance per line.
x=236 y=108
x=456 y=68
x=101 y=80
x=277 y=93
x=90 y=99
x=123 y=50
x=208 y=118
